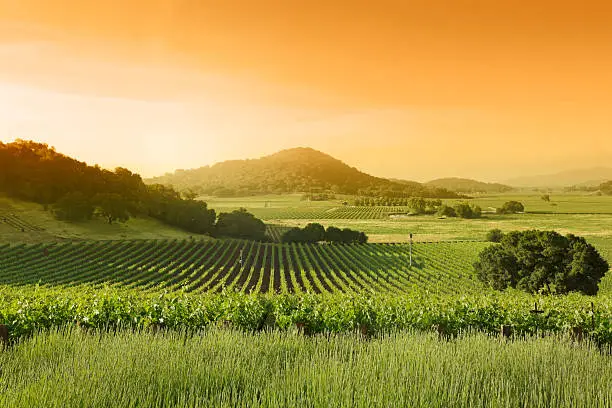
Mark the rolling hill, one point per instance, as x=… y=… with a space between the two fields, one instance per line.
x=288 y=171
x=463 y=185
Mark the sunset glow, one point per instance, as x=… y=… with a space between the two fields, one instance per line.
x=406 y=89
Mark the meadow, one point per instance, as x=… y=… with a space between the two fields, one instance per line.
x=225 y=368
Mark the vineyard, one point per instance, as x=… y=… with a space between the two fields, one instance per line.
x=251 y=267
x=17 y=223
x=329 y=213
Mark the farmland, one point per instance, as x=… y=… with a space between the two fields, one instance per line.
x=151 y=314
x=209 y=266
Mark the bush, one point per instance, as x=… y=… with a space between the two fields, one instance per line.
x=495 y=235
x=511 y=207
x=542 y=261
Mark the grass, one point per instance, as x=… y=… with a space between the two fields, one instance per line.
x=231 y=369
x=96 y=229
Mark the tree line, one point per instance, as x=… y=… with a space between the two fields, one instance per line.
x=74 y=191
x=314 y=232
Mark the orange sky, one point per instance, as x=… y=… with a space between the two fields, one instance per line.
x=409 y=89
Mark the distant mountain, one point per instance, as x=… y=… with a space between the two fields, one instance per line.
x=294 y=170
x=463 y=185
x=582 y=177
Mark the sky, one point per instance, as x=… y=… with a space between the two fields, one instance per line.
x=398 y=88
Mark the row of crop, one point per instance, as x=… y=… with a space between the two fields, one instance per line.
x=210 y=266
x=17 y=223
x=34 y=309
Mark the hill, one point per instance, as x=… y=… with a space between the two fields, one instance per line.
x=74 y=191
x=288 y=171
x=591 y=177
x=463 y=185
x=28 y=222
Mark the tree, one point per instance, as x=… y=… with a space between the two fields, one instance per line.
x=465 y=210
x=606 y=187
x=542 y=261
x=495 y=235
x=73 y=207
x=511 y=207
x=112 y=206
x=446 y=211
x=314 y=232
x=241 y=224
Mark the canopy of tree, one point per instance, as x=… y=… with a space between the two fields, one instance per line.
x=314 y=232
x=468 y=186
x=75 y=191
x=511 y=207
x=241 y=224
x=294 y=170
x=542 y=261
x=606 y=187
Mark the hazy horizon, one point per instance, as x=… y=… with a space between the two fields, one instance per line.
x=412 y=90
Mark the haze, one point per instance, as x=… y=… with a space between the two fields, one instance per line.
x=407 y=89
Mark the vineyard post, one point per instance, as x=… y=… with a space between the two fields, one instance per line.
x=411 y=249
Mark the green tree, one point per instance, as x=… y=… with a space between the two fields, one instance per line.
x=241 y=224
x=495 y=235
x=542 y=261
x=465 y=210
x=446 y=211
x=112 y=206
x=511 y=207
x=73 y=207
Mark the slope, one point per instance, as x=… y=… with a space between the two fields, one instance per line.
x=292 y=170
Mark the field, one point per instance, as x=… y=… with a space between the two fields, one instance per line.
x=156 y=317
x=228 y=369
x=203 y=266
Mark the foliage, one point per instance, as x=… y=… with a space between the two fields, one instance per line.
x=542 y=260
x=511 y=207
x=112 y=206
x=465 y=210
x=345 y=236
x=311 y=233
x=241 y=224
x=606 y=187
x=289 y=171
x=73 y=207
x=446 y=211
x=29 y=310
x=36 y=172
x=462 y=185
x=495 y=235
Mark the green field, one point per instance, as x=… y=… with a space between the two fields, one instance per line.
x=202 y=266
x=229 y=369
x=170 y=319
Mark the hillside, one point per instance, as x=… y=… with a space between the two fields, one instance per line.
x=586 y=177
x=28 y=222
x=73 y=191
x=288 y=171
x=463 y=185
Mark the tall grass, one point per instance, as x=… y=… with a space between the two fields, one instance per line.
x=226 y=368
